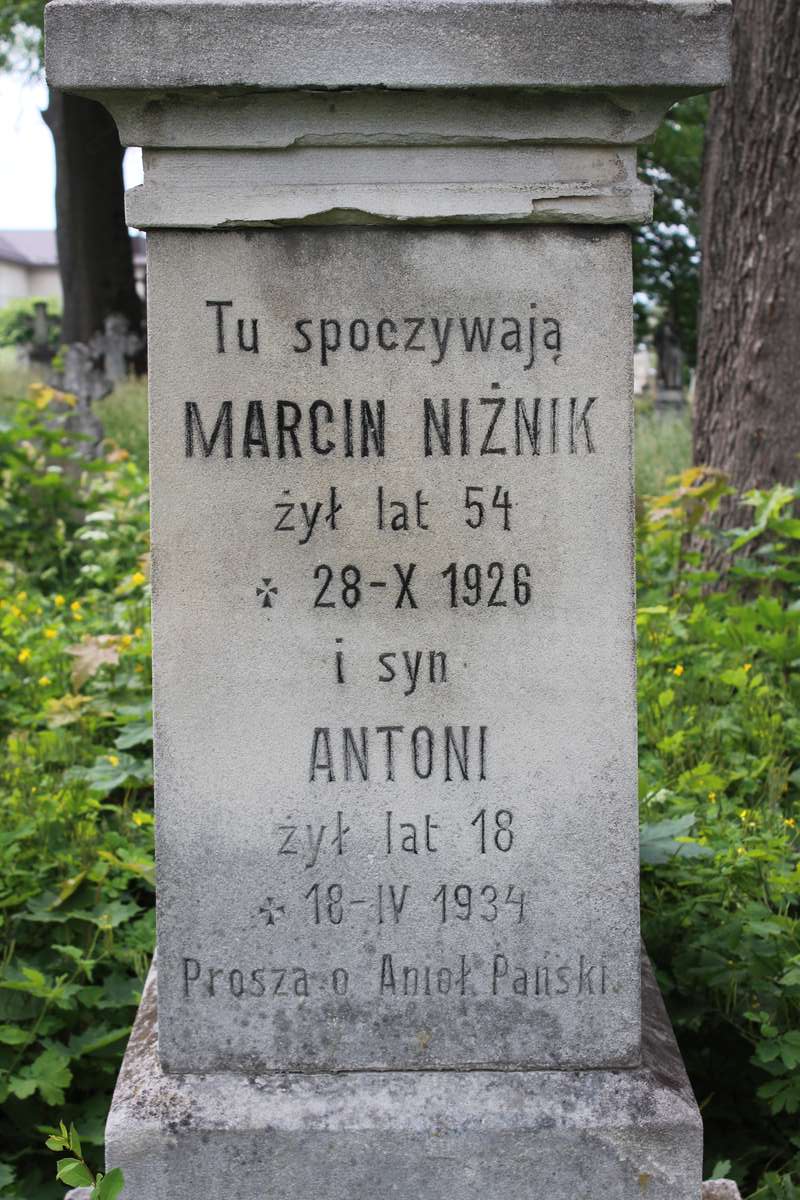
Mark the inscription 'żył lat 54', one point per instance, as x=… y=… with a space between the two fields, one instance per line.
x=415 y=746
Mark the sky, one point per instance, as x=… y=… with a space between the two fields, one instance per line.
x=27 y=167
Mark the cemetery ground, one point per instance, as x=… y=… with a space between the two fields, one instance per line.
x=719 y=785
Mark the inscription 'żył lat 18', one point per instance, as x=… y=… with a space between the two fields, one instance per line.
x=394 y=649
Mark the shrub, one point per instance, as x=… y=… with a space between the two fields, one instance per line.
x=76 y=857
x=720 y=765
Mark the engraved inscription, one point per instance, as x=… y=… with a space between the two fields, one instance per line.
x=391 y=730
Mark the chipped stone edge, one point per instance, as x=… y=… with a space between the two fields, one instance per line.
x=149 y=207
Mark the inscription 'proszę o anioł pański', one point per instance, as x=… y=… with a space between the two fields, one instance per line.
x=403 y=572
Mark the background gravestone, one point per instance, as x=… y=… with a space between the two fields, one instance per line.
x=390 y=349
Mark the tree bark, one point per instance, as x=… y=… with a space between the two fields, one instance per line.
x=747 y=406
x=94 y=247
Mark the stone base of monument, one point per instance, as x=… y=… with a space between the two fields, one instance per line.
x=438 y=1135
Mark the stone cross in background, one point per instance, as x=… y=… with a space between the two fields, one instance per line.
x=392 y=496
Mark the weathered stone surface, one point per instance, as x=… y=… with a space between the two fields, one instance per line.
x=543 y=1135
x=427 y=184
x=450 y=111
x=720 y=1189
x=281 y=951
x=354 y=117
x=173 y=44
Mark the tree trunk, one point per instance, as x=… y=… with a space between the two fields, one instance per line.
x=94 y=248
x=747 y=407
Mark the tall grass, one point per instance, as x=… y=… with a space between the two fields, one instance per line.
x=123 y=415
x=663 y=448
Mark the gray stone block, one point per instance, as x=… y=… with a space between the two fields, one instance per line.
x=438 y=1135
x=407 y=44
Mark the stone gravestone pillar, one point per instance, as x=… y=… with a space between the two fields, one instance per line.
x=390 y=355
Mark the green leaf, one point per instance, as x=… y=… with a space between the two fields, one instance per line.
x=49 y=1074
x=93 y=1039
x=74 y=1173
x=75 y=1141
x=110 y=1185
x=136 y=733
x=12 y=1035
x=658 y=843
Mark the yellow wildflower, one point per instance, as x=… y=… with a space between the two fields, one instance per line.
x=138 y=578
x=126 y=639
x=44 y=680
x=790 y=821
x=744 y=814
x=678 y=670
x=712 y=797
x=45 y=395
x=741 y=850
x=75 y=606
x=748 y=666
x=16 y=612
x=138 y=631
x=113 y=759
x=23 y=655
x=22 y=596
x=50 y=633
x=59 y=601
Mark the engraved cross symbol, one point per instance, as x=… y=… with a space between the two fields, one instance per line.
x=272 y=910
x=267 y=591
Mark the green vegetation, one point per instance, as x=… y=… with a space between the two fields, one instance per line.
x=663 y=448
x=666 y=251
x=720 y=791
x=720 y=778
x=16 y=321
x=124 y=418
x=76 y=856
x=73 y=1169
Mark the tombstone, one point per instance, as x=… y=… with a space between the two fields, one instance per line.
x=40 y=350
x=669 y=379
x=121 y=347
x=37 y=349
x=642 y=370
x=395 y=712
